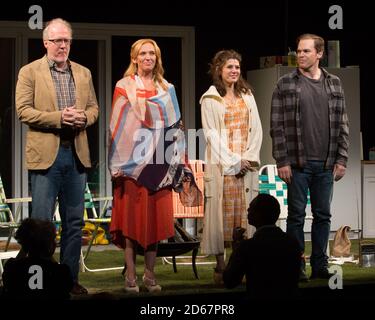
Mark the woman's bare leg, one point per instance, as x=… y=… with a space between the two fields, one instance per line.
x=130 y=256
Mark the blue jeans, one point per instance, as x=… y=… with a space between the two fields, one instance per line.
x=65 y=179
x=319 y=181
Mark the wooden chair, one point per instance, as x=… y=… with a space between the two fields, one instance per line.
x=183 y=241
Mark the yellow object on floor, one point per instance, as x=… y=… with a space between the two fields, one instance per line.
x=88 y=230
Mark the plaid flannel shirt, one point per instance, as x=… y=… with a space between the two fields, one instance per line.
x=287 y=147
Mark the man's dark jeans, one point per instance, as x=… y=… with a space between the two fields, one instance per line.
x=65 y=179
x=319 y=181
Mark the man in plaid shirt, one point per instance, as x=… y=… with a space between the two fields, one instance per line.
x=55 y=98
x=309 y=130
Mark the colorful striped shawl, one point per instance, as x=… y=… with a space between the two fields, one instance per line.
x=146 y=141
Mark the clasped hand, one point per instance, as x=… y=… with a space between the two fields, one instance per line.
x=73 y=117
x=245 y=167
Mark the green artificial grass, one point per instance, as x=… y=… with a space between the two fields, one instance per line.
x=184 y=281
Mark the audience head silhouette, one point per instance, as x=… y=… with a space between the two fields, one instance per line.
x=270 y=259
x=34 y=273
x=37 y=238
x=263 y=210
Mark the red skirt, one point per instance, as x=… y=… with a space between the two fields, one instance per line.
x=140 y=216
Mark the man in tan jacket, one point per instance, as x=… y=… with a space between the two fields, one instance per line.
x=55 y=97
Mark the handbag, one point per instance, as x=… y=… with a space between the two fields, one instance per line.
x=341 y=243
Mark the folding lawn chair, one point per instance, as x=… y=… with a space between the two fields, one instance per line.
x=9 y=221
x=93 y=222
x=270 y=183
x=97 y=221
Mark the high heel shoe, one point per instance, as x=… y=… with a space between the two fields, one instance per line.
x=150 y=284
x=131 y=285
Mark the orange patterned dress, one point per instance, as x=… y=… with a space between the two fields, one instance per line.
x=234 y=205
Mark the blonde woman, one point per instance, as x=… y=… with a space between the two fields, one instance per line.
x=144 y=106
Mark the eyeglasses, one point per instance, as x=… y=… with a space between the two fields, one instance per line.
x=59 y=42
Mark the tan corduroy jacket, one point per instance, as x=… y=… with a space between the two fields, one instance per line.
x=221 y=161
x=37 y=106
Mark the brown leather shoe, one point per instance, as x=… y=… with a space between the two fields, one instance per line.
x=78 y=289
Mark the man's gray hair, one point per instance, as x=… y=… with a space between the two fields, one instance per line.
x=54 y=21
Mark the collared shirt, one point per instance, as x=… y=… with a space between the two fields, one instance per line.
x=286 y=133
x=64 y=85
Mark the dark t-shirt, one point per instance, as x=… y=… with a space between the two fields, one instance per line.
x=270 y=260
x=314 y=118
x=36 y=278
